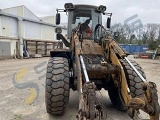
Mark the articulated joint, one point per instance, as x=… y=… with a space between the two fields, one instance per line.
x=148 y=104
x=151 y=99
x=91 y=108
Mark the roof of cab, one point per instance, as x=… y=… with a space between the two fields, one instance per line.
x=84 y=5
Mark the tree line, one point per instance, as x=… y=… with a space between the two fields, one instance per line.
x=149 y=34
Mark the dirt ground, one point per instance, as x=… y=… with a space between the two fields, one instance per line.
x=18 y=101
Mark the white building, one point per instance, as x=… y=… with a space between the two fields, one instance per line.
x=21 y=31
x=48 y=19
x=21 y=11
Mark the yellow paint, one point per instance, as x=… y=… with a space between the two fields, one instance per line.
x=124 y=86
x=32 y=96
x=20 y=74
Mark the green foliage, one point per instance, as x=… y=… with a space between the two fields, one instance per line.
x=140 y=42
x=158 y=39
x=144 y=38
x=132 y=38
x=152 y=45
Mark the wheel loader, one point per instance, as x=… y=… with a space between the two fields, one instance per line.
x=90 y=61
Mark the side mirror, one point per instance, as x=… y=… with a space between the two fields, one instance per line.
x=58 y=18
x=108 y=22
x=116 y=34
x=58 y=37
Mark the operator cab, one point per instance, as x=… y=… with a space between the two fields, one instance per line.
x=86 y=16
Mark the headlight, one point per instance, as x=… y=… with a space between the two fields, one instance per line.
x=101 y=8
x=58 y=30
x=69 y=6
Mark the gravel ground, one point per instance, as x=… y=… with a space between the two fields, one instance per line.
x=16 y=102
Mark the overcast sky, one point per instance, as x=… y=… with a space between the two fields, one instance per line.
x=148 y=11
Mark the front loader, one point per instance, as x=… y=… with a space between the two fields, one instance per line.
x=93 y=60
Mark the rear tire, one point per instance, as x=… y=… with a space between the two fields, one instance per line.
x=133 y=80
x=116 y=99
x=57 y=85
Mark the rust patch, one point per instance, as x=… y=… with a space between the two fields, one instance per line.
x=91 y=47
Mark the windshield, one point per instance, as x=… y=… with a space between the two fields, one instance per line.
x=88 y=19
x=83 y=17
x=81 y=20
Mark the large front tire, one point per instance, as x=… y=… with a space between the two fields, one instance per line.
x=133 y=80
x=57 y=85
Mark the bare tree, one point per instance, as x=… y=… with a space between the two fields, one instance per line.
x=158 y=39
x=151 y=30
x=149 y=34
x=144 y=38
x=121 y=33
x=152 y=33
x=129 y=33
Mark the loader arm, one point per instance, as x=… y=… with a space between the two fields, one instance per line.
x=89 y=107
x=149 y=101
x=115 y=53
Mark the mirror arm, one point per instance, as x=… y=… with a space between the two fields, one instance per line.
x=108 y=14
x=60 y=10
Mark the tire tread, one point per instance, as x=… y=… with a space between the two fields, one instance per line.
x=133 y=80
x=57 y=85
